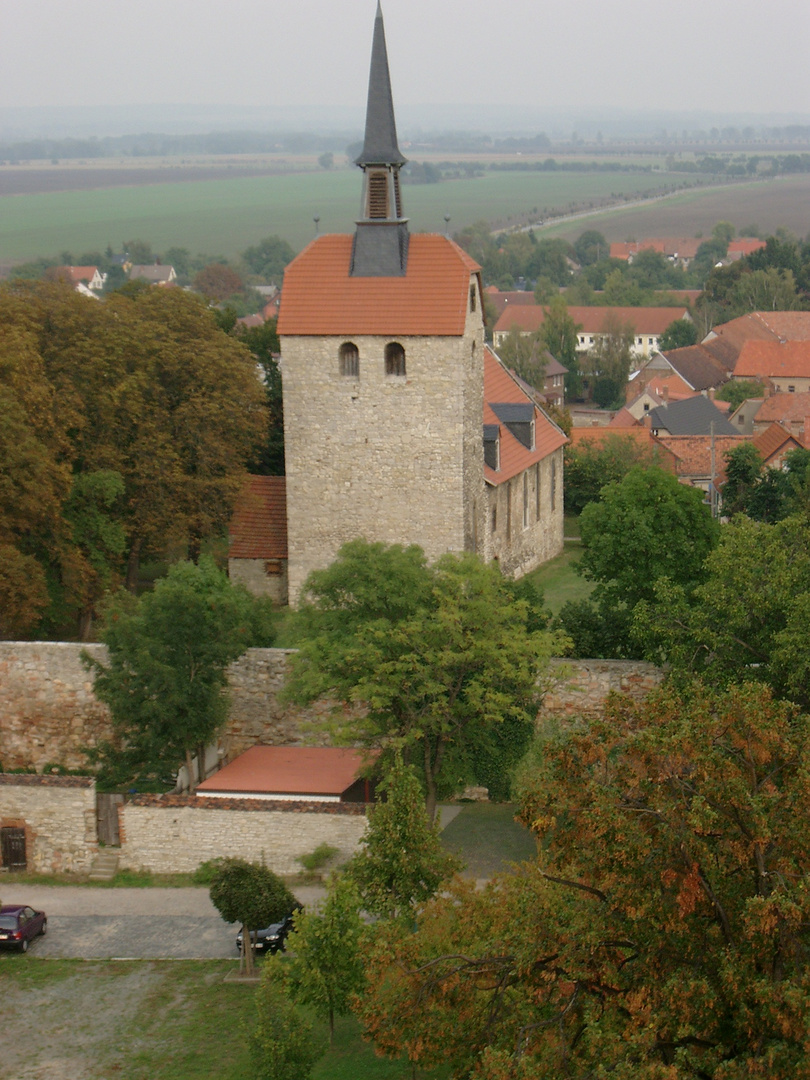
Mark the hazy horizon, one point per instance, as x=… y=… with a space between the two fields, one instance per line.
x=705 y=57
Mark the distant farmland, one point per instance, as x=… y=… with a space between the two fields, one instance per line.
x=221 y=210
x=768 y=204
x=224 y=216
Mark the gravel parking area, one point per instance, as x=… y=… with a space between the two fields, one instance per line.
x=145 y=924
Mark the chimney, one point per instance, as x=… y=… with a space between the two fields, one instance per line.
x=711 y=393
x=665 y=394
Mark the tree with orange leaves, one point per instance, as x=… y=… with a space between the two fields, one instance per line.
x=664 y=931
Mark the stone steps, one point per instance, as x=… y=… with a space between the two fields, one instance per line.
x=104 y=866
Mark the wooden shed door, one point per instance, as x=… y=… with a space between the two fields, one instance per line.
x=107 y=817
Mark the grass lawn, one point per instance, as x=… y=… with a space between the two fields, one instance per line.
x=487 y=838
x=137 y=1020
x=559 y=580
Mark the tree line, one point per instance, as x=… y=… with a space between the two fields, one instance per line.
x=127 y=428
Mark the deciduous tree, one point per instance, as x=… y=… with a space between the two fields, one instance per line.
x=439 y=657
x=165 y=680
x=252 y=895
x=661 y=934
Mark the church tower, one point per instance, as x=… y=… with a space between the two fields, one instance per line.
x=382 y=340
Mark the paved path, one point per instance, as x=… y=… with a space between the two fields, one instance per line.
x=89 y=922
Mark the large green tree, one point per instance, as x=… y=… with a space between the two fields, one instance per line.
x=662 y=933
x=165 y=680
x=560 y=332
x=435 y=660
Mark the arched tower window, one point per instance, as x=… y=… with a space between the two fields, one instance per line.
x=394 y=359
x=349 y=359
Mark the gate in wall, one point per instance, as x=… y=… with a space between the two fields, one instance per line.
x=12 y=848
x=107 y=819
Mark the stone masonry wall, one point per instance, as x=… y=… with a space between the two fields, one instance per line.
x=48 y=711
x=518 y=549
x=175 y=834
x=395 y=459
x=581 y=687
x=58 y=814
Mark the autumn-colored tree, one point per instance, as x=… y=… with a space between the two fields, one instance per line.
x=217 y=282
x=663 y=932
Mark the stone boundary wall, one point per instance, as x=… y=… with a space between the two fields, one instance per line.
x=171 y=834
x=48 y=711
x=58 y=814
x=581 y=687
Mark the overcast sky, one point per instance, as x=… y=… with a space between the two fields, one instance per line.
x=718 y=55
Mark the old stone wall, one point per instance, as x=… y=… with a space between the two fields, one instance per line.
x=58 y=814
x=581 y=687
x=48 y=711
x=176 y=834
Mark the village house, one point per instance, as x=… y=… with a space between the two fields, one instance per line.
x=648 y=324
x=155 y=274
x=784 y=365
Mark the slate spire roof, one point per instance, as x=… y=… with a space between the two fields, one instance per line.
x=380 y=146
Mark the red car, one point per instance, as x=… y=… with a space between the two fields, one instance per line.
x=19 y=925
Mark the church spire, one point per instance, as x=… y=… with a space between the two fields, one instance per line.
x=381 y=241
x=380 y=145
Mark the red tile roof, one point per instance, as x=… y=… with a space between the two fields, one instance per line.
x=501 y=300
x=773 y=359
x=694 y=453
x=725 y=341
x=685 y=247
x=258 y=528
x=288 y=770
x=78 y=273
x=744 y=246
x=500 y=388
x=775 y=441
x=785 y=408
x=529 y=317
x=320 y=296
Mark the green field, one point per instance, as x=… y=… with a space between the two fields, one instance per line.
x=223 y=217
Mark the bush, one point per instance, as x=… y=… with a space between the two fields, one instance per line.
x=207 y=871
x=317 y=858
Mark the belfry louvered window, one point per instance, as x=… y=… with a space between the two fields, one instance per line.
x=394 y=359
x=378 y=195
x=349 y=360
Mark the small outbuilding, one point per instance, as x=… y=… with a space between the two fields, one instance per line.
x=294 y=773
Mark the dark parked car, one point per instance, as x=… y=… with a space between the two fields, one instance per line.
x=19 y=925
x=272 y=938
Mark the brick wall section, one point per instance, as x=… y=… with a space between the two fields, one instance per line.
x=580 y=687
x=177 y=833
x=58 y=814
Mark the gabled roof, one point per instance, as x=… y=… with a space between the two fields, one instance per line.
x=156 y=274
x=287 y=771
x=502 y=389
x=501 y=300
x=783 y=408
x=775 y=440
x=77 y=274
x=697 y=367
x=685 y=247
x=742 y=246
x=694 y=454
x=530 y=317
x=692 y=416
x=320 y=297
x=773 y=359
x=725 y=341
x=258 y=528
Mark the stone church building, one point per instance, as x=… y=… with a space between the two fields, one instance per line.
x=387 y=431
